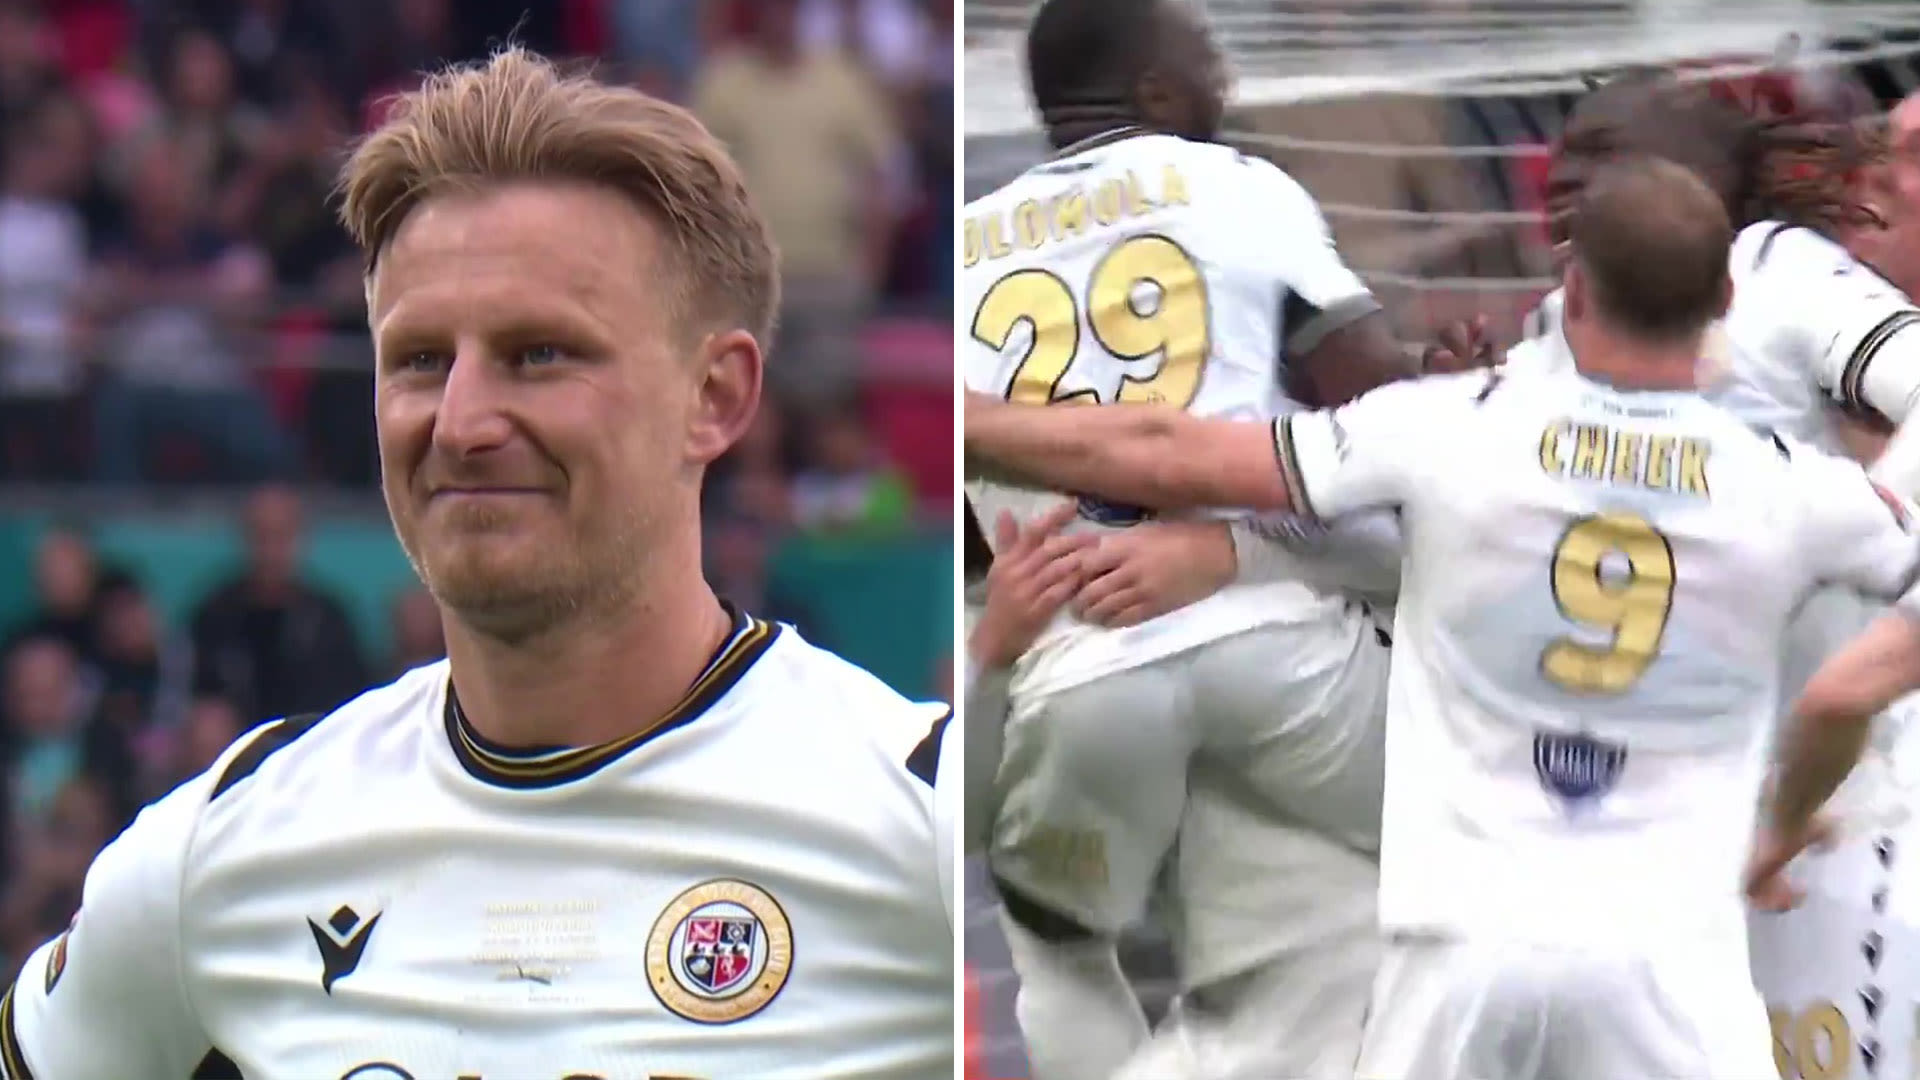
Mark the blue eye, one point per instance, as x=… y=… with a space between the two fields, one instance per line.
x=423 y=363
x=541 y=355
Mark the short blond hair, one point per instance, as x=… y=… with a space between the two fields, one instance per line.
x=518 y=118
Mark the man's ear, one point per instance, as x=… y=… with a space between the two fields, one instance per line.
x=731 y=368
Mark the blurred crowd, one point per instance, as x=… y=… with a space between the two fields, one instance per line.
x=178 y=309
x=178 y=306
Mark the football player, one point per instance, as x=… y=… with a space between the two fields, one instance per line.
x=1145 y=262
x=1819 y=336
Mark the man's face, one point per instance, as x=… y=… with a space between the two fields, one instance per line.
x=533 y=401
x=1567 y=176
x=1898 y=201
x=1188 y=92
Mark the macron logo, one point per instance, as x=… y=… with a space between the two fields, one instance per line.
x=342 y=939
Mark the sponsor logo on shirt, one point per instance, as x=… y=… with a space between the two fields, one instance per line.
x=1577 y=768
x=720 y=952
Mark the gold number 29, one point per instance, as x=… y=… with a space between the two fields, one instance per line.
x=1632 y=609
x=1173 y=327
x=1816 y=1044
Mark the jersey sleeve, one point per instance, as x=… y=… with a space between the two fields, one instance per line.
x=1364 y=455
x=1866 y=336
x=1318 y=292
x=924 y=762
x=947 y=799
x=105 y=1000
x=1856 y=532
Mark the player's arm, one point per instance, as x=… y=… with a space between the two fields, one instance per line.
x=106 y=999
x=1035 y=571
x=1338 y=343
x=1869 y=362
x=1147 y=455
x=1832 y=720
x=1318 y=464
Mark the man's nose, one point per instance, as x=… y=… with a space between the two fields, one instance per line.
x=472 y=418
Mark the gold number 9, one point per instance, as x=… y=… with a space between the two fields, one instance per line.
x=1634 y=609
x=1172 y=325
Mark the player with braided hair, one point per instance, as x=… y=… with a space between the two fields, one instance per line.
x=1820 y=336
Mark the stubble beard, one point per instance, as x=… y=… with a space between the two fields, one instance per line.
x=538 y=592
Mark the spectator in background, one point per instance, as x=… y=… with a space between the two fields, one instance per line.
x=211 y=725
x=814 y=137
x=45 y=710
x=54 y=853
x=738 y=563
x=184 y=302
x=848 y=485
x=214 y=135
x=277 y=45
x=44 y=155
x=66 y=579
x=661 y=41
x=29 y=71
x=145 y=678
x=269 y=641
x=417 y=636
x=752 y=482
x=420 y=36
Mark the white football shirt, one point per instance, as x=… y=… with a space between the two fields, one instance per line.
x=751 y=886
x=1817 y=331
x=1585 y=671
x=1139 y=267
x=1817 y=328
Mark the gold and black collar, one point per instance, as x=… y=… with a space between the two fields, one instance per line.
x=502 y=766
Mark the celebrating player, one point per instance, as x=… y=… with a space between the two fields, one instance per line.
x=624 y=830
x=1816 y=338
x=1599 y=571
x=1144 y=262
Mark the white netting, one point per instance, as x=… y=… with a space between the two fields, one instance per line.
x=1287 y=51
x=1419 y=123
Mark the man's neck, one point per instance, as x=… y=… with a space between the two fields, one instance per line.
x=598 y=678
x=1070 y=136
x=1636 y=365
x=1638 y=373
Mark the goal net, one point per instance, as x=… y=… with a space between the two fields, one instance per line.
x=1422 y=125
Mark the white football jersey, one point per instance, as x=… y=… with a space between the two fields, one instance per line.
x=1140 y=267
x=1811 y=321
x=749 y=887
x=1585 y=672
x=1808 y=322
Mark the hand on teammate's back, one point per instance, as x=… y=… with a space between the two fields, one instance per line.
x=1460 y=346
x=1035 y=571
x=1767 y=883
x=1147 y=571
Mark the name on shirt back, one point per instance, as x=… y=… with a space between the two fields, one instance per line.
x=1620 y=457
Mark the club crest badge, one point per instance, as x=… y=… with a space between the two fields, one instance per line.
x=720 y=952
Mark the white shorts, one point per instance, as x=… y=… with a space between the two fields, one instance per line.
x=1275 y=932
x=1094 y=780
x=1448 y=1010
x=1841 y=972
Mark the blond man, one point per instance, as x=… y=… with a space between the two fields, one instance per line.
x=625 y=829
